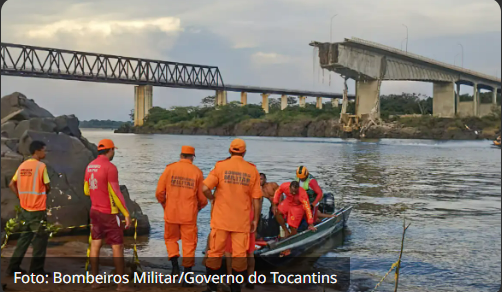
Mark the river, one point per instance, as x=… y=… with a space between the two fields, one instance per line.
x=450 y=192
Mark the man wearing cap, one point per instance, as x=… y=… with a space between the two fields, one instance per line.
x=179 y=191
x=102 y=185
x=237 y=184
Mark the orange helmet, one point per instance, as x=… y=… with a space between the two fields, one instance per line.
x=302 y=172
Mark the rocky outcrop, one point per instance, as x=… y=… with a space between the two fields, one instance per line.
x=68 y=154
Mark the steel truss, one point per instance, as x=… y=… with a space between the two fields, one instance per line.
x=29 y=61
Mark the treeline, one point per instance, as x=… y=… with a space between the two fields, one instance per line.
x=206 y=115
x=102 y=124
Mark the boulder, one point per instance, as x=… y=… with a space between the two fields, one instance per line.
x=9 y=203
x=35 y=124
x=25 y=108
x=135 y=211
x=91 y=146
x=9 y=168
x=65 y=206
x=8 y=128
x=68 y=125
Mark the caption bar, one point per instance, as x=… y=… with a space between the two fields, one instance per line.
x=161 y=278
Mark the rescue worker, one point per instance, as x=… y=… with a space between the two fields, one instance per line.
x=294 y=208
x=309 y=184
x=102 y=185
x=267 y=188
x=31 y=184
x=179 y=191
x=237 y=184
x=250 y=254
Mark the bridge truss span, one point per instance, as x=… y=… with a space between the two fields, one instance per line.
x=30 y=61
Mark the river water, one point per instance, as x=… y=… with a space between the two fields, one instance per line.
x=450 y=192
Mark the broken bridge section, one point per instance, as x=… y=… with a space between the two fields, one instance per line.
x=370 y=63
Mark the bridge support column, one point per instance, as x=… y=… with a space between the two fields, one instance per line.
x=367 y=97
x=301 y=101
x=221 y=97
x=494 y=96
x=443 y=99
x=264 y=103
x=475 y=100
x=335 y=102
x=244 y=98
x=457 y=99
x=143 y=102
x=318 y=103
x=284 y=102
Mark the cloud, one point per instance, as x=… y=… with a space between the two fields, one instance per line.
x=270 y=58
x=104 y=28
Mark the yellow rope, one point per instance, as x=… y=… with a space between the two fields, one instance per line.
x=394 y=265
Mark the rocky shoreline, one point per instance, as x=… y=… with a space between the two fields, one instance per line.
x=68 y=154
x=324 y=129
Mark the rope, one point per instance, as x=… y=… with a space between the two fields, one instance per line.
x=394 y=265
x=135 y=250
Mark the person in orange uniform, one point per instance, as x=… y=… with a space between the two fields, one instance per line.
x=237 y=184
x=31 y=185
x=250 y=253
x=294 y=207
x=102 y=185
x=179 y=191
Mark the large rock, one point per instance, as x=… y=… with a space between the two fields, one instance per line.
x=135 y=212
x=68 y=125
x=9 y=203
x=64 y=205
x=26 y=108
x=8 y=128
x=35 y=124
x=9 y=168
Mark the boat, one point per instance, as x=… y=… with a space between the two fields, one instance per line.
x=277 y=253
x=496 y=143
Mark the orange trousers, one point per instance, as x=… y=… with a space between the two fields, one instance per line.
x=217 y=244
x=188 y=235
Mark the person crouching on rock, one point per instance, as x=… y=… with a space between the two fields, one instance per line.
x=179 y=191
x=102 y=185
x=31 y=185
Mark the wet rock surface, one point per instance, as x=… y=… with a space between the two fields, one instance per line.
x=68 y=154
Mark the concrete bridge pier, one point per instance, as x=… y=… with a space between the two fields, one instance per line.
x=475 y=100
x=443 y=99
x=244 y=98
x=367 y=96
x=284 y=102
x=143 y=102
x=264 y=103
x=301 y=101
x=494 y=96
x=335 y=102
x=318 y=103
x=221 y=98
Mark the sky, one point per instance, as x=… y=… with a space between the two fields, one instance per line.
x=253 y=42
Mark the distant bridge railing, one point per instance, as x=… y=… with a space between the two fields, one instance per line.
x=30 y=61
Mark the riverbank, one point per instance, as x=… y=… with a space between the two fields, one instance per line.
x=425 y=127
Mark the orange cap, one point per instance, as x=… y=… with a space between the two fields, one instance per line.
x=106 y=144
x=238 y=146
x=189 y=150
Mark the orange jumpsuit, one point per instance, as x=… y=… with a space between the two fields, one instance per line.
x=180 y=192
x=237 y=183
